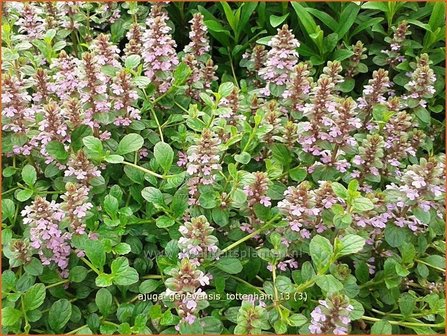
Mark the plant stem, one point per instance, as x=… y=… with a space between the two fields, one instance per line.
x=251 y=235
x=232 y=68
x=77 y=329
x=405 y=324
x=246 y=283
x=400 y=315
x=147 y=171
x=432 y=266
x=158 y=124
x=89 y=264
x=8 y=191
x=57 y=283
x=152 y=276
x=27 y=325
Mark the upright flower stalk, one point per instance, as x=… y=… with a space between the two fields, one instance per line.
x=280 y=60
x=50 y=242
x=159 y=55
x=331 y=316
x=394 y=52
x=420 y=87
x=203 y=164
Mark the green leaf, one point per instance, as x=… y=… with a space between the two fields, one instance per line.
x=225 y=89
x=34 y=297
x=407 y=303
x=109 y=70
x=297 y=320
x=305 y=18
x=164 y=222
x=8 y=208
x=284 y=284
x=321 y=251
x=323 y=17
x=211 y=325
x=93 y=146
x=111 y=205
x=298 y=174
x=395 y=236
x=29 y=175
x=181 y=74
x=104 y=280
x=340 y=190
x=349 y=244
x=275 y=21
x=57 y=150
x=104 y=301
x=77 y=136
x=113 y=158
x=423 y=115
x=59 y=314
x=153 y=195
x=10 y=316
x=280 y=327
x=132 y=61
x=122 y=248
x=191 y=329
x=122 y=273
x=243 y=158
x=130 y=143
x=329 y=283
x=34 y=267
x=362 y=204
x=24 y=195
x=141 y=81
x=208 y=200
x=164 y=155
x=95 y=252
x=423 y=216
x=347 y=19
x=148 y=286
x=382 y=327
x=229 y=265
x=77 y=274
x=358 y=310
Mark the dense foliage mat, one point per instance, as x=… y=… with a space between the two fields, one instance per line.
x=223 y=168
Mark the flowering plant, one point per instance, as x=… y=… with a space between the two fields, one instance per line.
x=185 y=168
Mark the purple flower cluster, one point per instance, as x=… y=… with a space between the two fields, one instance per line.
x=47 y=238
x=135 y=37
x=197 y=241
x=159 y=54
x=396 y=42
x=231 y=108
x=81 y=168
x=421 y=86
x=124 y=96
x=30 y=22
x=422 y=188
x=76 y=206
x=374 y=93
x=185 y=283
x=331 y=316
x=199 y=44
x=106 y=53
x=352 y=67
x=281 y=59
x=203 y=163
x=300 y=210
x=299 y=87
x=16 y=108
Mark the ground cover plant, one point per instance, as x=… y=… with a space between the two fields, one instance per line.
x=234 y=168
